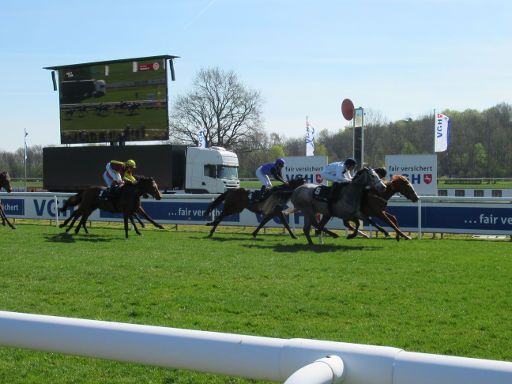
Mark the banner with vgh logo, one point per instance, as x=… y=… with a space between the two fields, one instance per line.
x=420 y=170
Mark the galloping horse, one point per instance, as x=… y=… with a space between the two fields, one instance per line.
x=346 y=207
x=236 y=200
x=126 y=201
x=5 y=182
x=374 y=205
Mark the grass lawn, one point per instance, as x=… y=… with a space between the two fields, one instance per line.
x=450 y=296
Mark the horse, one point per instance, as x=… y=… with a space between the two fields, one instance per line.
x=374 y=205
x=126 y=200
x=346 y=207
x=238 y=199
x=5 y=182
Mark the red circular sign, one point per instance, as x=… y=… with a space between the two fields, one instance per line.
x=347 y=109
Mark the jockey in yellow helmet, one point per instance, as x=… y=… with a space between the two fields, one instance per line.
x=129 y=166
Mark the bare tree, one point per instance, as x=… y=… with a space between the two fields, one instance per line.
x=228 y=113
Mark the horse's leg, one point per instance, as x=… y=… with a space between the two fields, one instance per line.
x=384 y=216
x=281 y=216
x=133 y=223
x=309 y=219
x=62 y=225
x=392 y=219
x=356 y=230
x=75 y=216
x=125 y=220
x=148 y=218
x=6 y=220
x=264 y=220
x=321 y=226
x=379 y=228
x=347 y=223
x=216 y=222
x=82 y=223
x=285 y=223
x=138 y=220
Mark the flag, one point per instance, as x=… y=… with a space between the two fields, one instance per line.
x=25 y=141
x=442 y=133
x=201 y=138
x=310 y=139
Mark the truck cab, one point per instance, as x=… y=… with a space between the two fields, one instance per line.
x=211 y=170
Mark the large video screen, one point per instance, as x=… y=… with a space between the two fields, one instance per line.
x=115 y=101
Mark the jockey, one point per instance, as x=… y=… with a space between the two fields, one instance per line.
x=129 y=166
x=270 y=169
x=340 y=174
x=113 y=171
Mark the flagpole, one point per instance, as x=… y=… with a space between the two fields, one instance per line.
x=25 y=157
x=434 y=141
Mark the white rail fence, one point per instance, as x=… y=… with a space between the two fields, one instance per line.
x=293 y=361
x=472 y=215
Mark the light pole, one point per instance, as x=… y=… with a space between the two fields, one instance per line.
x=358 y=136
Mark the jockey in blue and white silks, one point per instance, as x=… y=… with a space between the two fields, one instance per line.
x=264 y=172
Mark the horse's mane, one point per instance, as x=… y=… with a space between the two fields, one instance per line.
x=143 y=178
x=400 y=178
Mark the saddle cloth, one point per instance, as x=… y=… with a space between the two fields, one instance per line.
x=321 y=193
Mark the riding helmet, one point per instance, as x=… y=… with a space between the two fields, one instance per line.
x=350 y=162
x=131 y=163
x=280 y=162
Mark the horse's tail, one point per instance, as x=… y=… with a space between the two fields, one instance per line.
x=275 y=199
x=215 y=203
x=73 y=201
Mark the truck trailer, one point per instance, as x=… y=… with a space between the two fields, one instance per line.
x=175 y=168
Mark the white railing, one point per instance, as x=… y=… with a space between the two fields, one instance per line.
x=474 y=215
x=295 y=361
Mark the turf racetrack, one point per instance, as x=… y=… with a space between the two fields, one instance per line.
x=450 y=296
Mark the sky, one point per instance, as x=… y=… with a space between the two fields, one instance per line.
x=397 y=59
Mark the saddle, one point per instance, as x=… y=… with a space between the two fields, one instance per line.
x=257 y=195
x=111 y=193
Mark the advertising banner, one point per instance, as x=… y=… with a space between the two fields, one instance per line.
x=420 y=170
x=431 y=214
x=309 y=167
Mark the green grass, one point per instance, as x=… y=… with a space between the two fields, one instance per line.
x=450 y=296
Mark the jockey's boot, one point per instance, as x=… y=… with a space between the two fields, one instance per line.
x=263 y=192
x=105 y=194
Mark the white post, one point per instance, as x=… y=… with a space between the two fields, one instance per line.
x=419 y=219
x=328 y=370
x=56 y=211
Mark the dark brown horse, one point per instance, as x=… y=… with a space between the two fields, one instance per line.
x=374 y=205
x=5 y=182
x=236 y=200
x=126 y=200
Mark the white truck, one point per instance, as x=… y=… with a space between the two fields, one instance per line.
x=175 y=168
